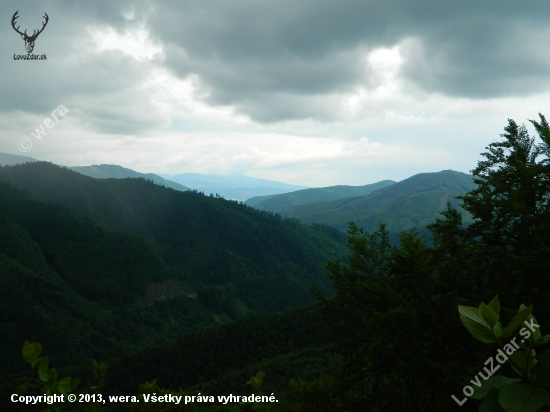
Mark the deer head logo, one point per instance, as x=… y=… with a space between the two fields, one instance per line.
x=29 y=40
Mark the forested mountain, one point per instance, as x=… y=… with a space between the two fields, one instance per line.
x=96 y=267
x=119 y=172
x=232 y=187
x=413 y=202
x=283 y=202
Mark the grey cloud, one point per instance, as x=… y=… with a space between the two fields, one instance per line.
x=272 y=60
x=100 y=89
x=249 y=52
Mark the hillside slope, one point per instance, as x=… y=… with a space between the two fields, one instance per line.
x=119 y=172
x=283 y=202
x=82 y=289
x=413 y=202
x=129 y=249
x=10 y=160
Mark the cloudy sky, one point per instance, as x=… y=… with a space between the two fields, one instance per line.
x=311 y=92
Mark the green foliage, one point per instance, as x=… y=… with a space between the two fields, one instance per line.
x=390 y=316
x=527 y=394
x=45 y=381
x=511 y=209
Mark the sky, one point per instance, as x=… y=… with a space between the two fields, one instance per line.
x=309 y=92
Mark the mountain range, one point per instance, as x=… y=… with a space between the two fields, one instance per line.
x=230 y=187
x=413 y=202
x=283 y=202
x=132 y=271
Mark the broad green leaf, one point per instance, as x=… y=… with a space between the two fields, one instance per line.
x=31 y=350
x=64 y=389
x=65 y=385
x=21 y=389
x=522 y=398
x=488 y=314
x=65 y=381
x=517 y=321
x=256 y=381
x=476 y=325
x=27 y=349
x=43 y=375
x=74 y=384
x=535 y=335
x=32 y=360
x=50 y=386
x=495 y=305
x=497 y=381
x=490 y=402
x=497 y=330
x=43 y=362
x=520 y=358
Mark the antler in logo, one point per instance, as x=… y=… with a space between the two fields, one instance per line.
x=29 y=40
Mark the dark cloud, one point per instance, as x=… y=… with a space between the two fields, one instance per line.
x=101 y=89
x=248 y=52
x=274 y=60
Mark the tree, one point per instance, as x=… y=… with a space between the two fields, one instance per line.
x=511 y=210
x=392 y=313
x=389 y=320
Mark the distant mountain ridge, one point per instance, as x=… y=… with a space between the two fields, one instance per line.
x=231 y=186
x=10 y=160
x=118 y=172
x=283 y=202
x=413 y=202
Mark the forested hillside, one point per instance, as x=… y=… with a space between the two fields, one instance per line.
x=413 y=202
x=283 y=202
x=128 y=263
